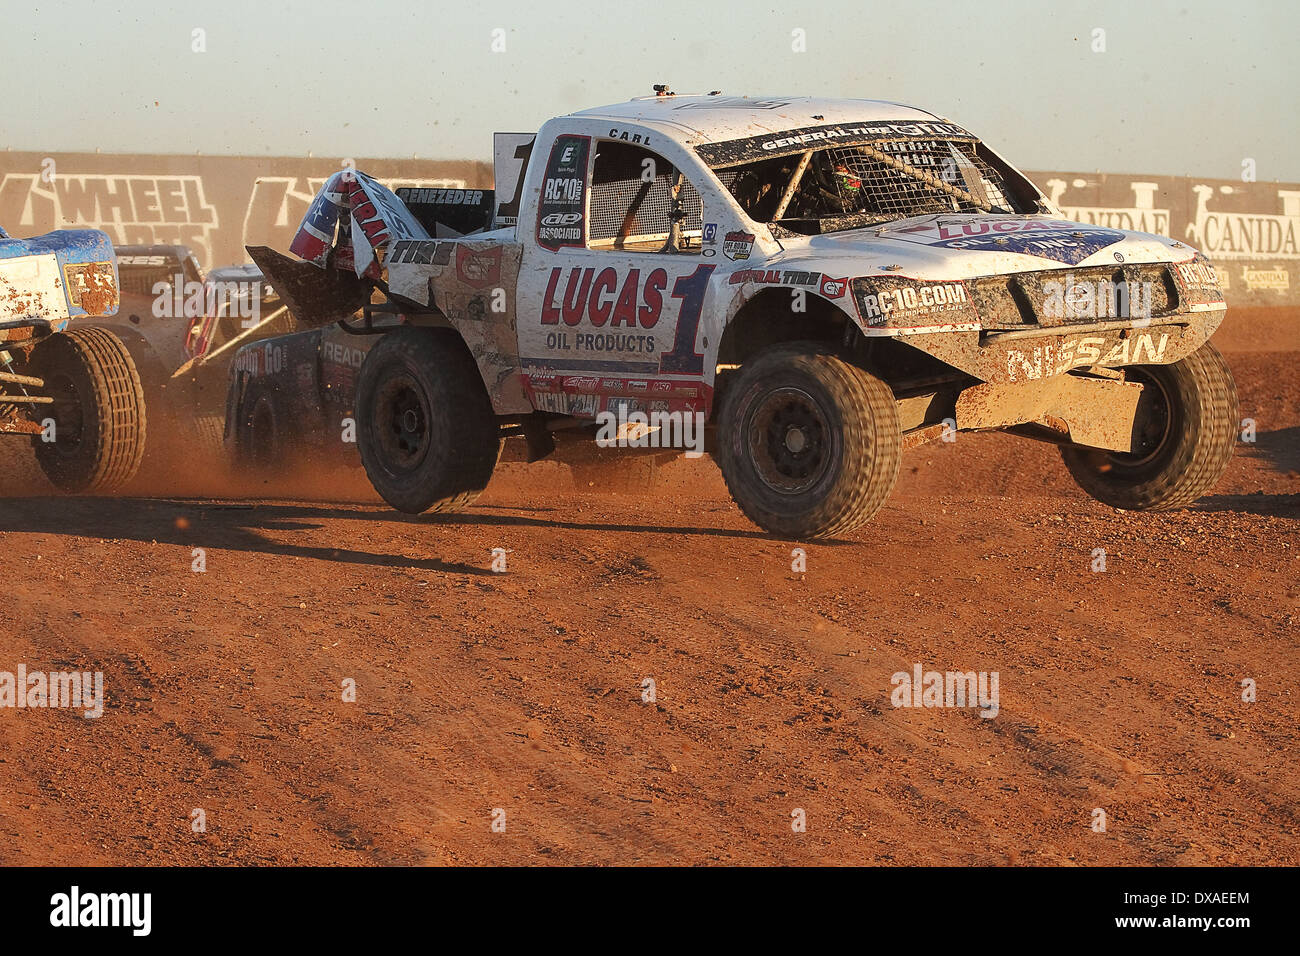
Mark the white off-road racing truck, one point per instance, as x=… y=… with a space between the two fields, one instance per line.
x=825 y=282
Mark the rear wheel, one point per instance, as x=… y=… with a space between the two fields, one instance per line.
x=1184 y=435
x=809 y=445
x=428 y=437
x=258 y=438
x=98 y=411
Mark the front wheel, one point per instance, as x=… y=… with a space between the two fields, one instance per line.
x=98 y=411
x=428 y=437
x=1184 y=434
x=809 y=445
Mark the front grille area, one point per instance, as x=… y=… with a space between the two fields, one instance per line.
x=1075 y=296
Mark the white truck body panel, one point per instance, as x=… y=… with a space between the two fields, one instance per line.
x=31 y=288
x=563 y=314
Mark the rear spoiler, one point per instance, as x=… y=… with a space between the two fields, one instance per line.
x=340 y=242
x=312 y=296
x=315 y=296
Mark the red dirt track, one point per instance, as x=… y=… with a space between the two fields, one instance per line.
x=522 y=691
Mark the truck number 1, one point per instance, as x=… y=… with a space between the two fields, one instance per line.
x=683 y=359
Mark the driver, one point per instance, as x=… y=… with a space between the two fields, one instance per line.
x=830 y=190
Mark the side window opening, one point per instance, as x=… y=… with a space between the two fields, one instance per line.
x=640 y=202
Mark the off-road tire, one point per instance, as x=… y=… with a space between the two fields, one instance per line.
x=99 y=411
x=207 y=433
x=259 y=439
x=428 y=438
x=849 y=443
x=1192 y=404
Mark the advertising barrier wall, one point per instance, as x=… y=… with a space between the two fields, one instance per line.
x=1251 y=231
x=218 y=204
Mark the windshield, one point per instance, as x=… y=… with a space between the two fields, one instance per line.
x=853 y=185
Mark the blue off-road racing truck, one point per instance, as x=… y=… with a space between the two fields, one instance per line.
x=73 y=389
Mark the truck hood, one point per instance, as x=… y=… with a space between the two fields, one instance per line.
x=964 y=246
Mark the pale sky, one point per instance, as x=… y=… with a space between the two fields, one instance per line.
x=1183 y=86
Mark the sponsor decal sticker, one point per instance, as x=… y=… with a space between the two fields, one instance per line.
x=1201 y=282
x=421 y=252
x=627 y=136
x=833 y=288
x=339 y=354
x=733 y=103
x=143 y=261
x=603 y=297
x=797 y=140
x=91 y=282
x=479 y=269
x=561 y=218
x=1197 y=272
x=1047 y=361
x=907 y=304
x=775 y=277
x=1056 y=239
x=737 y=245
x=444 y=197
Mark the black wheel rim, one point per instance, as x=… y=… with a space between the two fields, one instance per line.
x=68 y=413
x=790 y=444
x=402 y=423
x=1153 y=426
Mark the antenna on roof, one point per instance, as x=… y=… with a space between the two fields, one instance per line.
x=661 y=89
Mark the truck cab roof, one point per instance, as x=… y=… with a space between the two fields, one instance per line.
x=717 y=118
